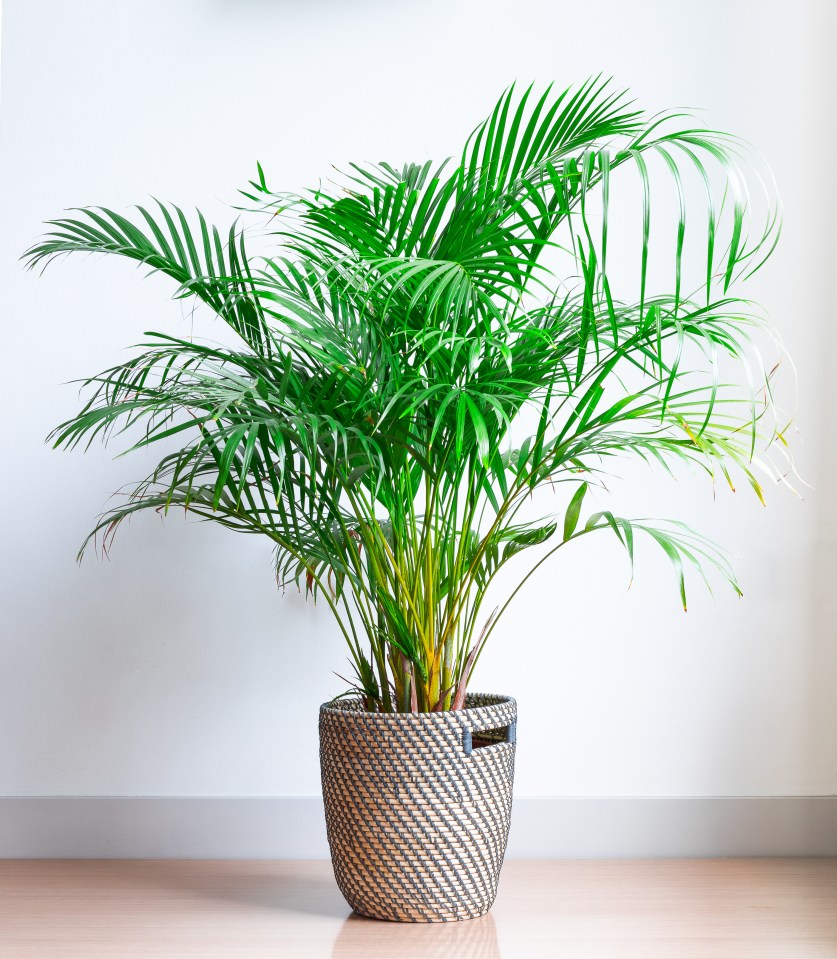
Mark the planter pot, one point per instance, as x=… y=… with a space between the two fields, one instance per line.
x=418 y=806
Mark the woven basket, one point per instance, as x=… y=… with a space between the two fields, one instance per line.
x=418 y=806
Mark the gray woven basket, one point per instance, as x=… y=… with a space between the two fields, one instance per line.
x=418 y=806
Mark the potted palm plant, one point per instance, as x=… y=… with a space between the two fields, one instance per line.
x=421 y=351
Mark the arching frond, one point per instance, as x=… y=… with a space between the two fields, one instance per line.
x=426 y=345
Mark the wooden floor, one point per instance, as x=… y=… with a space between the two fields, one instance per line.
x=675 y=909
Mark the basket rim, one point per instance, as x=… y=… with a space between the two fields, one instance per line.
x=347 y=708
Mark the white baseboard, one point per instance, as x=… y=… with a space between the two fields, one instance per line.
x=152 y=827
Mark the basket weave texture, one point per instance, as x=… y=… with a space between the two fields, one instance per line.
x=417 y=820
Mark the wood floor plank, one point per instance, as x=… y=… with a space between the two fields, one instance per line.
x=628 y=909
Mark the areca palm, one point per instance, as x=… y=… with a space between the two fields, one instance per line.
x=422 y=348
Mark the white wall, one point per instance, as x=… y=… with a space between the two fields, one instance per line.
x=176 y=668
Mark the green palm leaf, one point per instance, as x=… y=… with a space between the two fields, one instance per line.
x=428 y=344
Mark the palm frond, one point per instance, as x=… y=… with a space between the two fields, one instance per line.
x=426 y=345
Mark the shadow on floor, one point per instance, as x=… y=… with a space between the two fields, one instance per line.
x=269 y=886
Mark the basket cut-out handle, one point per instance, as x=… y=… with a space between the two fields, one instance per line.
x=490 y=737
